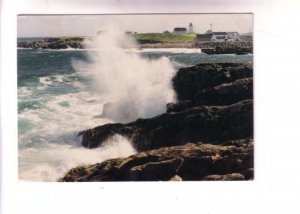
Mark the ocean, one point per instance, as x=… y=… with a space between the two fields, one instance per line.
x=62 y=92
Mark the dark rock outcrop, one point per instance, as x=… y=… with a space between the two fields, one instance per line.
x=211 y=124
x=225 y=94
x=189 y=162
x=54 y=43
x=226 y=47
x=188 y=81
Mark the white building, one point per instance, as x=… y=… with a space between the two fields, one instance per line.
x=233 y=36
x=219 y=36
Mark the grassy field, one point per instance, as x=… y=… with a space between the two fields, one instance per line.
x=155 y=37
x=166 y=37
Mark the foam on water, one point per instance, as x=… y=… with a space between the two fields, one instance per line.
x=52 y=162
x=64 y=114
x=167 y=50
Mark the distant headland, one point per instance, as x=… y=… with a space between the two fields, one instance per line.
x=242 y=45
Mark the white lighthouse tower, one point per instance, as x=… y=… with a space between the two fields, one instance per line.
x=190 y=29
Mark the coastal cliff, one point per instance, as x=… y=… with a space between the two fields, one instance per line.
x=206 y=135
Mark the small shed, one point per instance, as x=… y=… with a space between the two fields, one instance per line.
x=180 y=30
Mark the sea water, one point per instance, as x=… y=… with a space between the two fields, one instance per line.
x=62 y=92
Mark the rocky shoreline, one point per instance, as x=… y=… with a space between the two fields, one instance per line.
x=227 y=47
x=206 y=135
x=232 y=160
x=232 y=47
x=54 y=43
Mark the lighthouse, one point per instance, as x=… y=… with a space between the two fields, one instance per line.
x=190 y=29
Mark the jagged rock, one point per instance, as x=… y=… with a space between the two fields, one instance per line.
x=186 y=162
x=190 y=80
x=213 y=124
x=226 y=93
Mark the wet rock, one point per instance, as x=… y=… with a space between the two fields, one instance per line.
x=213 y=124
x=186 y=162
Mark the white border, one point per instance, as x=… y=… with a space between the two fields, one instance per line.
x=276 y=187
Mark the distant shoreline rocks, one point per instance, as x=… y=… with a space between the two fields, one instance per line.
x=54 y=43
x=227 y=47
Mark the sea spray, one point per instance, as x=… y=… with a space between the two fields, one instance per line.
x=137 y=87
x=67 y=157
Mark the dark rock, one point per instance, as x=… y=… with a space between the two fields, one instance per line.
x=225 y=94
x=226 y=47
x=179 y=106
x=190 y=80
x=213 y=124
x=54 y=43
x=186 y=162
x=57 y=45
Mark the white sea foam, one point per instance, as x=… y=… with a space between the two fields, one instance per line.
x=65 y=113
x=167 y=50
x=49 y=80
x=138 y=87
x=24 y=91
x=45 y=80
x=52 y=162
x=65 y=49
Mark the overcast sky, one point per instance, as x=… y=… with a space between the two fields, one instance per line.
x=87 y=25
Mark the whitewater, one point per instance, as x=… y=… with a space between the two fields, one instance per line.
x=62 y=92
